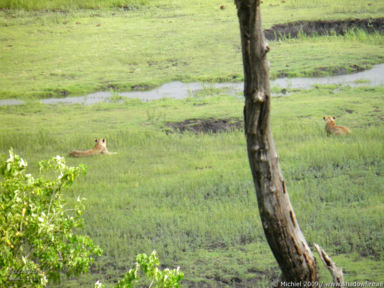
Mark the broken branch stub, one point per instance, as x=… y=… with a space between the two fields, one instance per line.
x=336 y=272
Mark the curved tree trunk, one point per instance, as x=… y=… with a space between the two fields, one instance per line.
x=296 y=261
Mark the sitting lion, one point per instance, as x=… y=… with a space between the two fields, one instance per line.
x=100 y=148
x=332 y=128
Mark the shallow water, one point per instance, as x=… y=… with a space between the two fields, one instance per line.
x=180 y=90
x=371 y=77
x=7 y=102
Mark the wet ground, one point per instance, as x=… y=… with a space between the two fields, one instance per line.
x=338 y=27
x=180 y=90
x=210 y=125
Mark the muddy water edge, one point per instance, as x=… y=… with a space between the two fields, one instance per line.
x=180 y=90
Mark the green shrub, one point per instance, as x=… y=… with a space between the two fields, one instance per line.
x=37 y=239
x=149 y=267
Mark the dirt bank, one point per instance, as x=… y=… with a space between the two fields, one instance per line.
x=339 y=27
x=209 y=125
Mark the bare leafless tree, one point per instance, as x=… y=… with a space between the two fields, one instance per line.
x=287 y=242
x=281 y=228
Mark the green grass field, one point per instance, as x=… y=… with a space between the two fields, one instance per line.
x=74 y=52
x=190 y=196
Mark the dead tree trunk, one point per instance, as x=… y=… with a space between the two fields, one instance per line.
x=282 y=231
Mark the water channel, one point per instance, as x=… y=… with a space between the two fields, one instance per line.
x=180 y=90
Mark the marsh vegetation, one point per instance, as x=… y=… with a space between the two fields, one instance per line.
x=190 y=196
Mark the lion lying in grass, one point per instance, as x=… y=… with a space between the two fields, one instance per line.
x=100 y=148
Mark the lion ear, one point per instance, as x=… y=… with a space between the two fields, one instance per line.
x=95 y=139
x=333 y=117
x=104 y=140
x=324 y=118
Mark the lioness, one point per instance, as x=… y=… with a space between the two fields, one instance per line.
x=332 y=128
x=100 y=148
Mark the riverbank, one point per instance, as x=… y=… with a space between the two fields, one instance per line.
x=179 y=90
x=49 y=54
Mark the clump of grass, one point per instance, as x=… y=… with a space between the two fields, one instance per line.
x=207 y=90
x=362 y=81
x=363 y=36
x=115 y=97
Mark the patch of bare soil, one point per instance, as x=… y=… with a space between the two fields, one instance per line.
x=339 y=27
x=209 y=125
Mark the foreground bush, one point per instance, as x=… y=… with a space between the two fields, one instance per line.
x=148 y=266
x=37 y=239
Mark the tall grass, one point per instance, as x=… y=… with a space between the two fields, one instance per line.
x=339 y=6
x=353 y=34
x=191 y=197
x=70 y=4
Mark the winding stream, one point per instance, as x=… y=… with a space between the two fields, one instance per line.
x=180 y=90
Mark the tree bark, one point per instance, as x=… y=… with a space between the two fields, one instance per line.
x=287 y=242
x=336 y=272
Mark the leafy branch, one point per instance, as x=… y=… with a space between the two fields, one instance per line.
x=37 y=241
x=149 y=267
